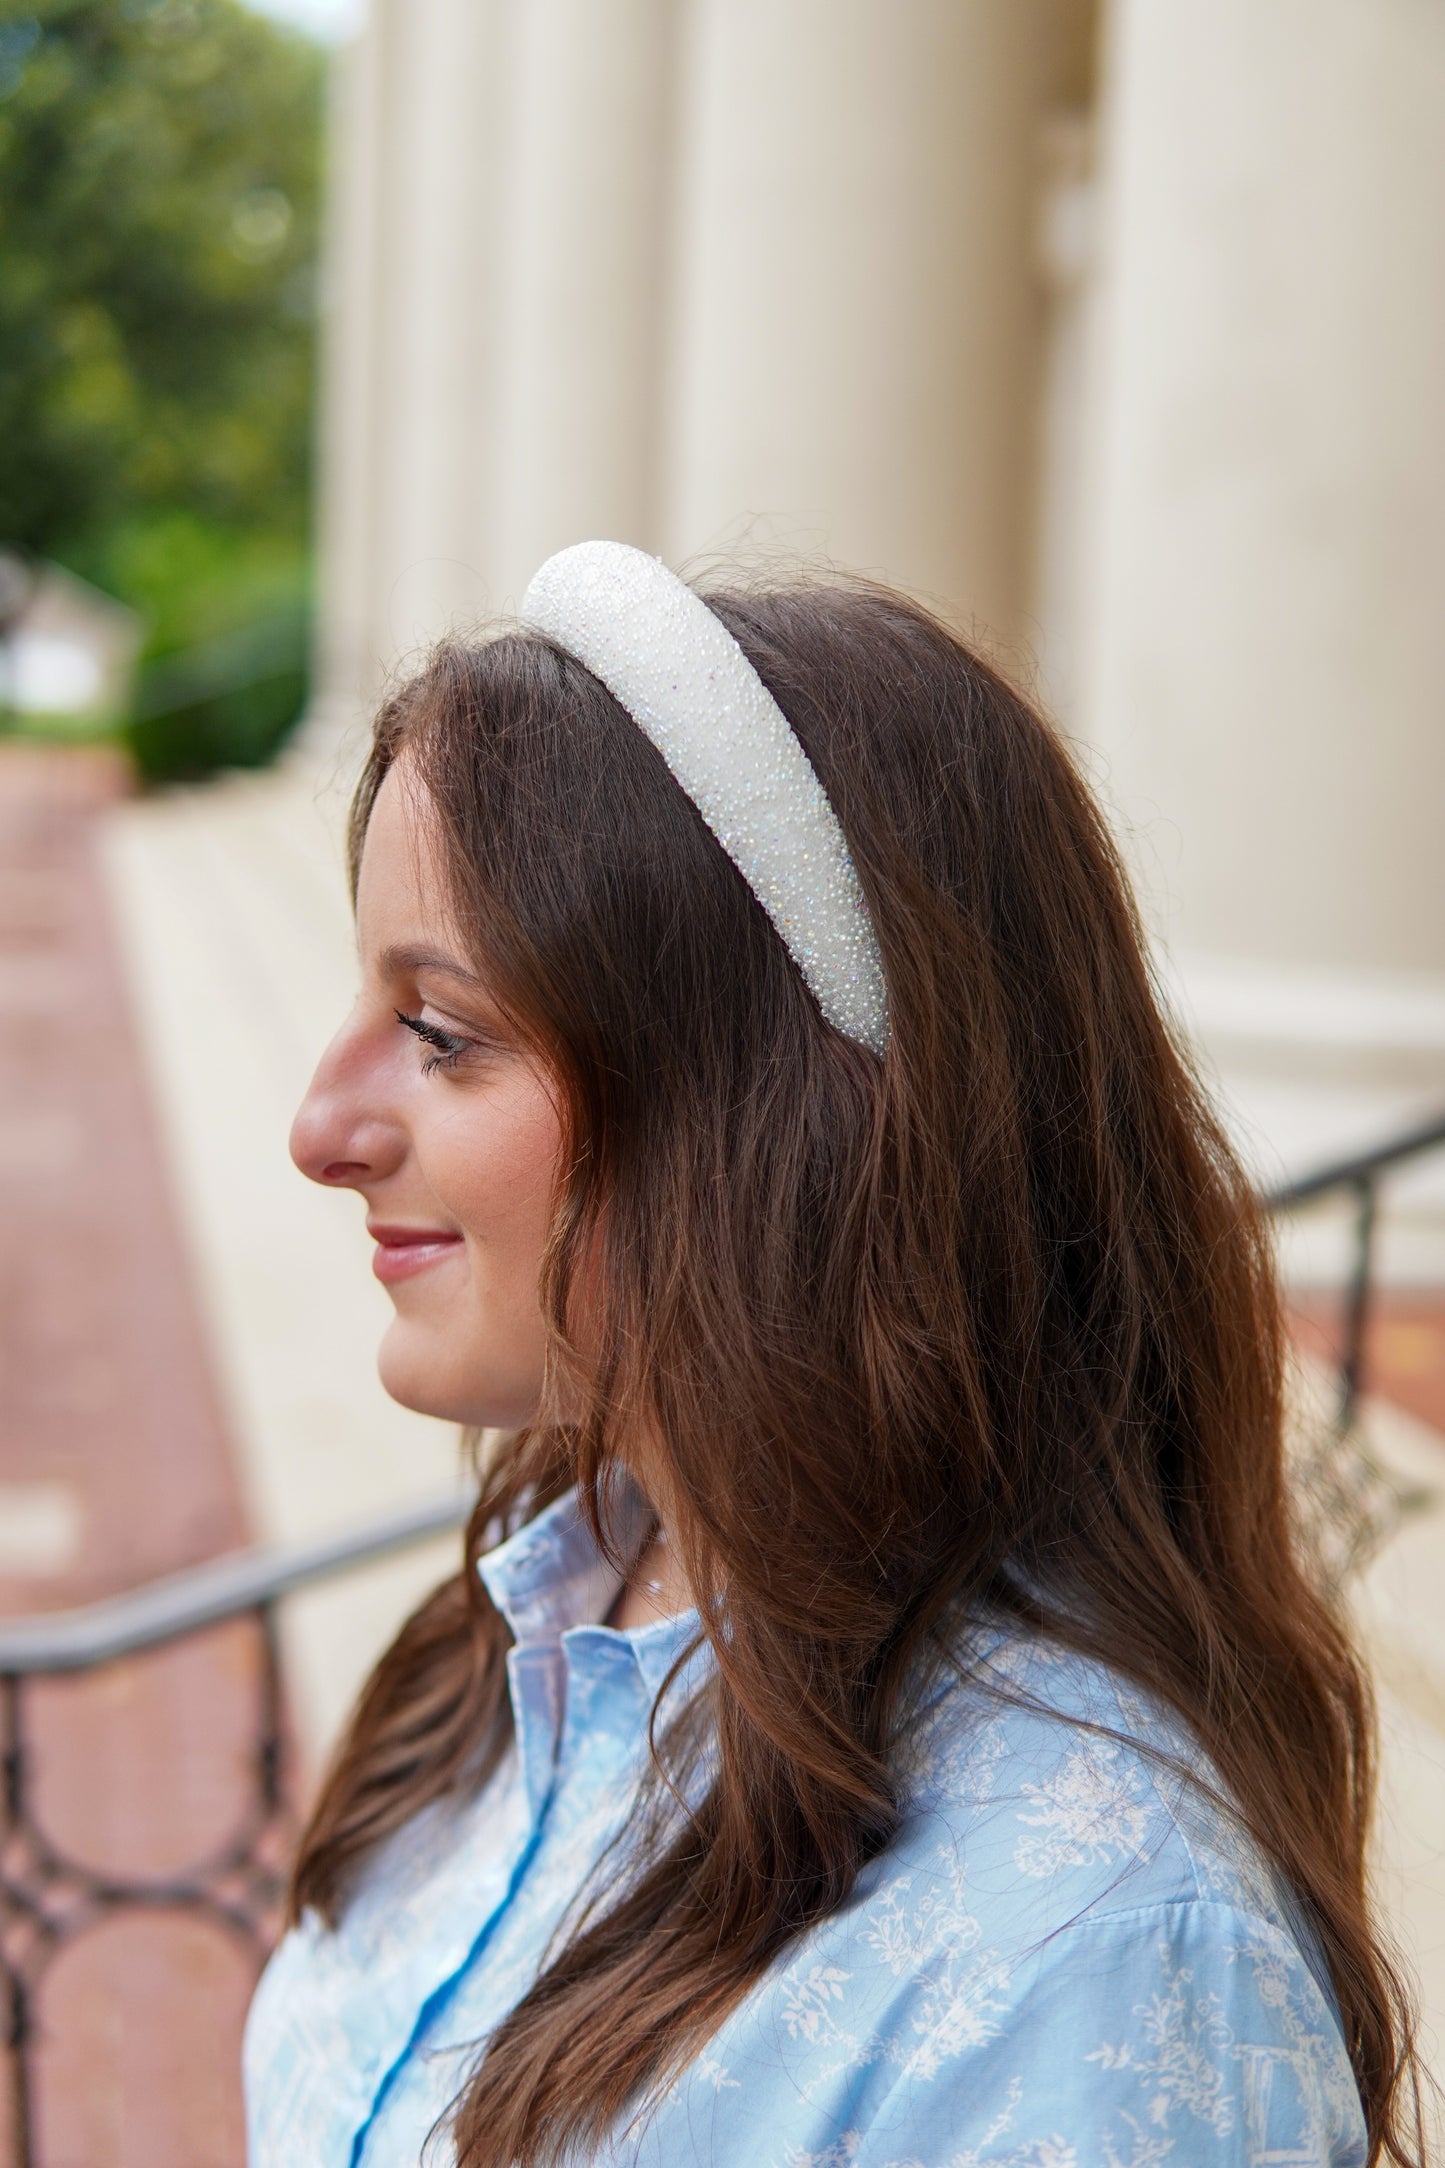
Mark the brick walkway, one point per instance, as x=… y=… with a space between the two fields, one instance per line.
x=113 y=1468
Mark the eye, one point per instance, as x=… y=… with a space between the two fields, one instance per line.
x=449 y=1045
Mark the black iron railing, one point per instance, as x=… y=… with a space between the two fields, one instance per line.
x=1358 y=1178
x=1348 y=1501
x=47 y=1897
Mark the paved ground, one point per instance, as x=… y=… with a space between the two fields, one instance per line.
x=113 y=1469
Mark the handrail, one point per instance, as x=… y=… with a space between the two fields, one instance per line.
x=1359 y=1168
x=48 y=1897
x=199 y=1596
x=1359 y=1176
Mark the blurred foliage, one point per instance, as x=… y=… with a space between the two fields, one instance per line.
x=225 y=703
x=160 y=168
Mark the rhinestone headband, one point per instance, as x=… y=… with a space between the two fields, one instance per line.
x=689 y=687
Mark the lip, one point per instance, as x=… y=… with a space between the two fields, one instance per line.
x=402 y=1251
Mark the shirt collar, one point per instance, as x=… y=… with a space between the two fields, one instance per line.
x=554 y=1589
x=657 y=1648
x=550 y=1577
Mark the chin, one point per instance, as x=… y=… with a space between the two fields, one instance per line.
x=429 y=1381
x=417 y=1377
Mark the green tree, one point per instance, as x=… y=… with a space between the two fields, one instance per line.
x=159 y=181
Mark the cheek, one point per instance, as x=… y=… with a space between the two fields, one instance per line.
x=470 y=1345
x=491 y=1165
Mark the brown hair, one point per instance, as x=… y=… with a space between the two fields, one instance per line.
x=996 y=1313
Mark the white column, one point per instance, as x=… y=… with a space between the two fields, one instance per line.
x=579 y=289
x=491 y=372
x=342 y=669
x=855 y=327
x=408 y=375
x=437 y=179
x=1265 y=681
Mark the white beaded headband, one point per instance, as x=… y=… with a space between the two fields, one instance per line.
x=689 y=687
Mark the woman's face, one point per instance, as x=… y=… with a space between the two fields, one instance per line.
x=425 y=1104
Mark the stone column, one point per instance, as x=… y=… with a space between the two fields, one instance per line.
x=499 y=195
x=1268 y=559
x=577 y=304
x=408 y=361
x=342 y=671
x=435 y=173
x=855 y=326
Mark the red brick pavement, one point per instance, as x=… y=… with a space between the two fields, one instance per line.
x=105 y=1389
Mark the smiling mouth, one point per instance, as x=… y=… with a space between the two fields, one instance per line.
x=402 y=1251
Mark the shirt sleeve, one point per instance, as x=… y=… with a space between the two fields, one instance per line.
x=1190 y=2034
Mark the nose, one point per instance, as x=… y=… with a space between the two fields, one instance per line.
x=342 y=1135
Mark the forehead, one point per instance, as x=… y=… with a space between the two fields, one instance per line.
x=401 y=891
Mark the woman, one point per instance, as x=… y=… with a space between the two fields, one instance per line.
x=883 y=1719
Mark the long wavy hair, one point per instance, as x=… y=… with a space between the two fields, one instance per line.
x=994 y=1314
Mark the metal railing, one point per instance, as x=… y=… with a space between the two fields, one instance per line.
x=1348 y=1501
x=47 y=1898
x=1358 y=1178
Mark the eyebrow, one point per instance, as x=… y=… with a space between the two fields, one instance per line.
x=404 y=960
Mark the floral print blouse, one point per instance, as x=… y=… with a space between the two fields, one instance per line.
x=1064 y=1959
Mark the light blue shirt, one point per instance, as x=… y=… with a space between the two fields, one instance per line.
x=1064 y=1959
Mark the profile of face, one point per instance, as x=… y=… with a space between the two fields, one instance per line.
x=426 y=1105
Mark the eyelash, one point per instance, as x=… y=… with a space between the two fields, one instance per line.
x=449 y=1047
